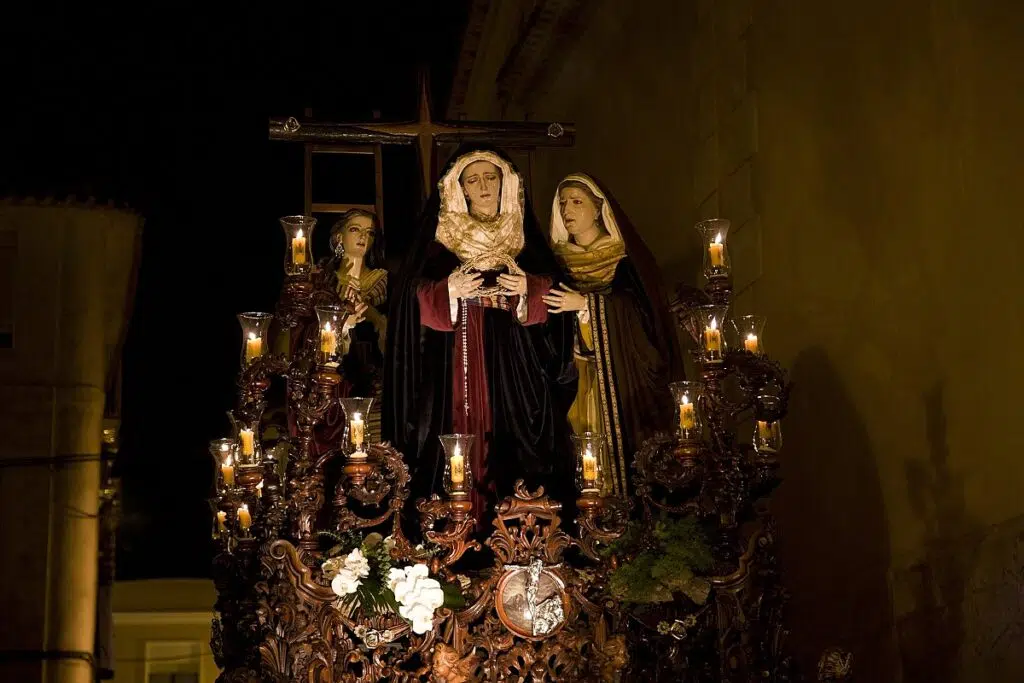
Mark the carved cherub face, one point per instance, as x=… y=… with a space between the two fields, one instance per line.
x=481 y=183
x=578 y=209
x=357 y=236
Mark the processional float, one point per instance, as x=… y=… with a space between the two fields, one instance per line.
x=318 y=579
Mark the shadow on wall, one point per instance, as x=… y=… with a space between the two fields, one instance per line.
x=932 y=633
x=834 y=532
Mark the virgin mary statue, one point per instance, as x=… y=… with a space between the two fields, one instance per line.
x=626 y=348
x=472 y=347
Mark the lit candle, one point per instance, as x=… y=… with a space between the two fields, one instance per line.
x=259 y=489
x=687 y=415
x=358 y=430
x=222 y=521
x=764 y=431
x=750 y=343
x=244 y=518
x=716 y=250
x=253 y=347
x=458 y=467
x=299 y=248
x=248 y=443
x=227 y=470
x=589 y=469
x=712 y=337
x=328 y=340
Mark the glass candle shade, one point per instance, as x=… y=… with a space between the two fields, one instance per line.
x=458 y=476
x=244 y=519
x=223 y=452
x=255 y=327
x=330 y=345
x=708 y=330
x=714 y=233
x=686 y=396
x=749 y=333
x=298 y=255
x=220 y=524
x=590 y=458
x=249 y=450
x=767 y=437
x=357 y=414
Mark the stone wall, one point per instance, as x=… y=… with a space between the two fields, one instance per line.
x=867 y=154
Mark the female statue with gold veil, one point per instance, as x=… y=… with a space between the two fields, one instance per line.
x=472 y=348
x=626 y=348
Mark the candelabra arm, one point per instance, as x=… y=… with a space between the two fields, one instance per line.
x=453 y=539
x=601 y=520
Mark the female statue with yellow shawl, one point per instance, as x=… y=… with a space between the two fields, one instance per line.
x=355 y=272
x=626 y=348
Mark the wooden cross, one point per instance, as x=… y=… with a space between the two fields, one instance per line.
x=426 y=133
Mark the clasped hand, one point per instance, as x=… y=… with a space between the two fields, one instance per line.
x=565 y=300
x=466 y=285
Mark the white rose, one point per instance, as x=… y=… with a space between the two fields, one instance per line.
x=429 y=593
x=421 y=616
x=345 y=582
x=394 y=576
x=357 y=564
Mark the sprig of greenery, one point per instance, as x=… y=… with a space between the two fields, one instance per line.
x=661 y=560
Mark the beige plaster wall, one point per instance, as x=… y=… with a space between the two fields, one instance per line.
x=72 y=269
x=868 y=154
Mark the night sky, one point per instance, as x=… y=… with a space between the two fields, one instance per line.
x=165 y=110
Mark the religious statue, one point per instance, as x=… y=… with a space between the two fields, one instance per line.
x=626 y=348
x=355 y=271
x=472 y=347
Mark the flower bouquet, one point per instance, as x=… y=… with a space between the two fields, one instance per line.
x=364 y=576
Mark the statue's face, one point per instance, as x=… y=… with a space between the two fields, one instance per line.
x=481 y=183
x=357 y=236
x=578 y=210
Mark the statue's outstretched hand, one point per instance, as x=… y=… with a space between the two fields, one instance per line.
x=464 y=285
x=565 y=300
x=356 y=317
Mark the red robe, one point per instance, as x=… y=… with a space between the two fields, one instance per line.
x=435 y=313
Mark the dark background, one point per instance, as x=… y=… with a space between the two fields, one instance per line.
x=165 y=108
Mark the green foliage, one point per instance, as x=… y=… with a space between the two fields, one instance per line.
x=660 y=561
x=453 y=598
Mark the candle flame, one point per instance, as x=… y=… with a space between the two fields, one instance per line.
x=327 y=326
x=224 y=447
x=227 y=463
x=714 y=323
x=357 y=416
x=589 y=453
x=718 y=238
x=252 y=336
x=751 y=336
x=458 y=450
x=298 y=235
x=244 y=506
x=686 y=399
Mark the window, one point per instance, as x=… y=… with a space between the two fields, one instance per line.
x=173 y=661
x=174 y=678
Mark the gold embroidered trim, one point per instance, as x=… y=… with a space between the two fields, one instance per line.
x=606 y=384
